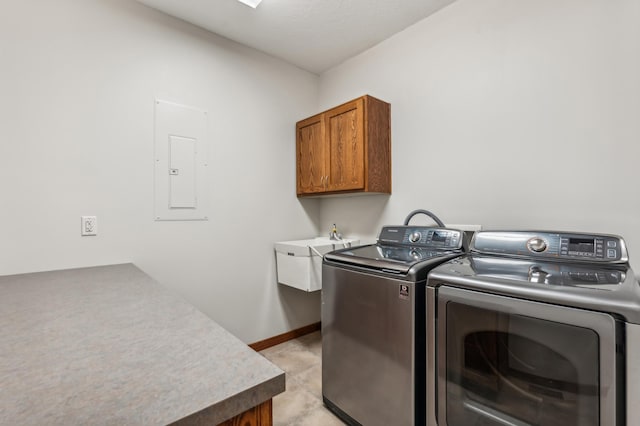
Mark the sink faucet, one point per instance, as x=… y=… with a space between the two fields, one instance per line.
x=333 y=235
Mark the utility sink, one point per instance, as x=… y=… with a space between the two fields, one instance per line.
x=299 y=262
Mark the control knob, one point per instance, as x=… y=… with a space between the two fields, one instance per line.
x=415 y=237
x=537 y=245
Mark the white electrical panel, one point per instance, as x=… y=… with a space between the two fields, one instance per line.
x=182 y=172
x=180 y=162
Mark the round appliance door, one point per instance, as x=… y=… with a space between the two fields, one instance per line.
x=505 y=361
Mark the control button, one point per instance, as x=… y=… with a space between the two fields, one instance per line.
x=415 y=237
x=611 y=243
x=537 y=245
x=611 y=253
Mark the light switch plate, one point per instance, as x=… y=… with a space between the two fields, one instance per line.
x=89 y=226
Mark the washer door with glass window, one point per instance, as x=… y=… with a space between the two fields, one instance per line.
x=506 y=361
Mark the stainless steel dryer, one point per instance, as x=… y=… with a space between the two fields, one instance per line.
x=534 y=328
x=373 y=324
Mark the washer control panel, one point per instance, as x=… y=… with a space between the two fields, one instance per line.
x=422 y=236
x=558 y=245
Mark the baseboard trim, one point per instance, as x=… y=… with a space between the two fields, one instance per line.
x=281 y=338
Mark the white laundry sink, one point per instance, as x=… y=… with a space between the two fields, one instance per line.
x=299 y=262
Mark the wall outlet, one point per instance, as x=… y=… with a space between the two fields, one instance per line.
x=89 y=225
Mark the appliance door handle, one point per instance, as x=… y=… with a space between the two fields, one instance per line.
x=598 y=321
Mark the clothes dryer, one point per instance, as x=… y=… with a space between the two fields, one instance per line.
x=534 y=328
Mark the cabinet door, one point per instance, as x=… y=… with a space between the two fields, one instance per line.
x=345 y=133
x=311 y=150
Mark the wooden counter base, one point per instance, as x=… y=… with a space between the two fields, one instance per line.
x=260 y=415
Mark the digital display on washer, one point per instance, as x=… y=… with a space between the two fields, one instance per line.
x=439 y=236
x=582 y=245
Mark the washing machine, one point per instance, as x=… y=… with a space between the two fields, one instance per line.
x=534 y=328
x=373 y=324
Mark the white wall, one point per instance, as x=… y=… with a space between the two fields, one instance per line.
x=511 y=114
x=78 y=79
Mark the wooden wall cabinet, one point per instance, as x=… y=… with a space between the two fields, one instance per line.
x=346 y=149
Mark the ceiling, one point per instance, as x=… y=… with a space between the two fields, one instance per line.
x=314 y=35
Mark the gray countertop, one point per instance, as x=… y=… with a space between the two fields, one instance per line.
x=109 y=345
